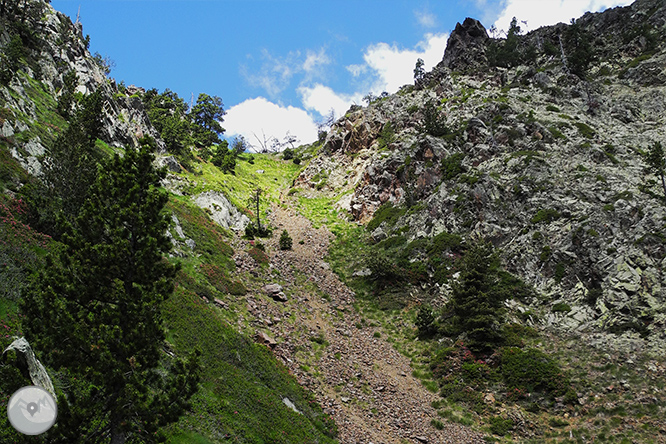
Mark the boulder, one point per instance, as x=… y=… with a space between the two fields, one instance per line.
x=263 y=338
x=221 y=210
x=291 y=405
x=275 y=291
x=272 y=289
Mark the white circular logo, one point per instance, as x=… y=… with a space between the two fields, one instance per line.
x=32 y=410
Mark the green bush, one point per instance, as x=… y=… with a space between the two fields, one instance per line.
x=285 y=241
x=386 y=136
x=434 y=123
x=532 y=370
x=288 y=154
x=556 y=133
x=425 y=322
x=500 y=426
x=251 y=231
x=259 y=256
x=385 y=213
x=224 y=159
x=545 y=215
x=445 y=241
x=585 y=130
x=384 y=272
x=392 y=242
x=451 y=166
x=561 y=307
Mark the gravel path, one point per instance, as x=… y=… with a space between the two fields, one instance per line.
x=359 y=379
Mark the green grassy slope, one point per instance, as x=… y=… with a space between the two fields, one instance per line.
x=243 y=384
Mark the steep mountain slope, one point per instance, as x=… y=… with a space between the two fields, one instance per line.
x=243 y=386
x=509 y=144
x=505 y=139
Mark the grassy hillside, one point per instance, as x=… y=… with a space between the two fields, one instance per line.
x=243 y=385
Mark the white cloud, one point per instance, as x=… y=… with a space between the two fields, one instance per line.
x=425 y=19
x=259 y=117
x=550 y=12
x=323 y=99
x=314 y=60
x=386 y=68
x=357 y=70
x=276 y=72
x=394 y=67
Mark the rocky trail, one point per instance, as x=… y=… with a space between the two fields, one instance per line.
x=359 y=378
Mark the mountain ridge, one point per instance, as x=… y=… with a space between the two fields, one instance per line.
x=537 y=154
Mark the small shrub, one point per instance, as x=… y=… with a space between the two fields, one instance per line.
x=392 y=242
x=439 y=425
x=385 y=213
x=224 y=159
x=259 y=256
x=285 y=241
x=451 y=166
x=545 y=215
x=556 y=133
x=560 y=271
x=251 y=231
x=532 y=370
x=386 y=136
x=445 y=241
x=557 y=422
x=561 y=307
x=500 y=426
x=288 y=154
x=434 y=122
x=585 y=130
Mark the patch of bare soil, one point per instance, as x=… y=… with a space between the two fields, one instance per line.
x=359 y=379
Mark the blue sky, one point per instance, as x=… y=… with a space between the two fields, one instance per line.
x=280 y=65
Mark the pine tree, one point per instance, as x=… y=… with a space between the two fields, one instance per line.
x=285 y=241
x=656 y=163
x=425 y=322
x=70 y=164
x=94 y=311
x=206 y=116
x=579 y=49
x=476 y=304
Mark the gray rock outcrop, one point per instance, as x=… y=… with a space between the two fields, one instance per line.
x=466 y=47
x=545 y=164
x=221 y=210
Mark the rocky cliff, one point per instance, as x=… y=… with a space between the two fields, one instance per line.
x=52 y=47
x=535 y=142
